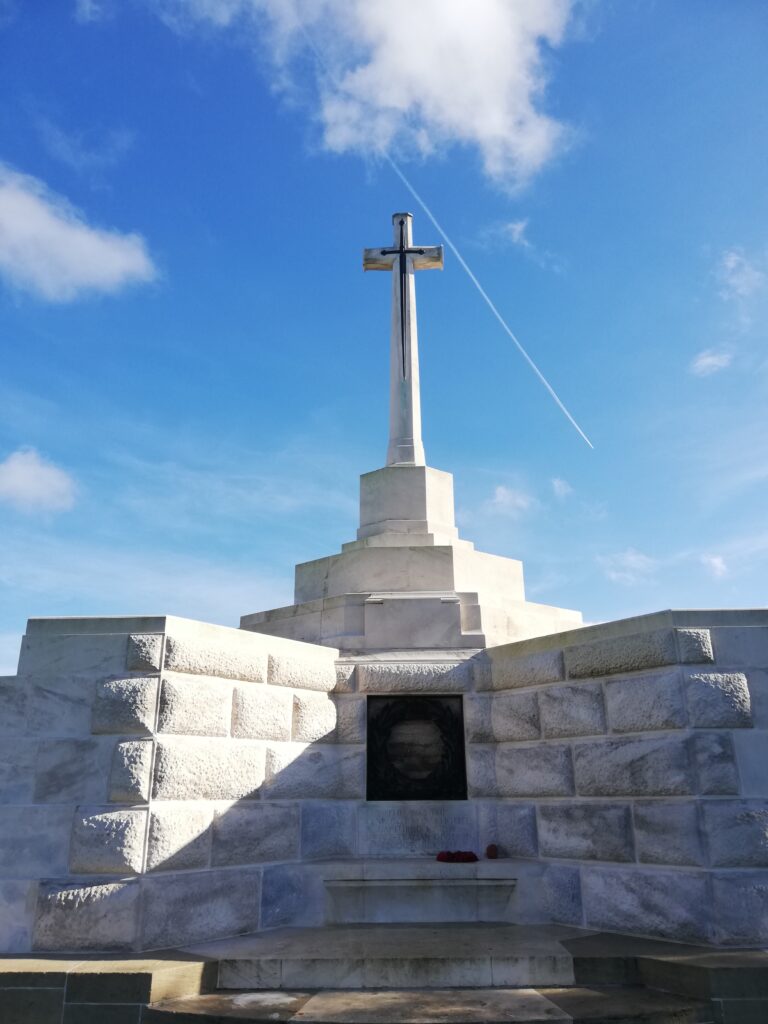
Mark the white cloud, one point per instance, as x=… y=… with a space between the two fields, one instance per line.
x=739 y=276
x=31 y=483
x=81 y=151
x=415 y=76
x=561 y=488
x=709 y=361
x=515 y=232
x=48 y=249
x=88 y=10
x=510 y=501
x=715 y=565
x=628 y=567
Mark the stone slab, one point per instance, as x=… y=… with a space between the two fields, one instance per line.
x=13 y=706
x=632 y=767
x=106 y=841
x=515 y=716
x=262 y=712
x=72 y=916
x=72 y=771
x=17 y=769
x=192 y=706
x=34 y=840
x=314 y=718
x=645 y=703
x=510 y=826
x=125 y=706
x=668 y=832
x=328 y=829
x=718 y=700
x=510 y=672
x=672 y=905
x=130 y=771
x=197 y=768
x=572 y=710
x=179 y=836
x=542 y=770
x=585 y=831
x=193 y=905
x=737 y=832
x=144 y=652
x=416 y=828
x=256 y=833
x=304 y=771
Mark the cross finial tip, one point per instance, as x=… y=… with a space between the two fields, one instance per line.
x=396 y=216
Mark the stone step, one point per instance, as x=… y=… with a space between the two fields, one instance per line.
x=435 y=1006
x=395 y=956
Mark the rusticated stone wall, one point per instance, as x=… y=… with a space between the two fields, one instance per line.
x=164 y=781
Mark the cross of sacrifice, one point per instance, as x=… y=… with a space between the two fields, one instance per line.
x=405 y=443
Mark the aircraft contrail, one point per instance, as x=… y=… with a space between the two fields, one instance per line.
x=441 y=231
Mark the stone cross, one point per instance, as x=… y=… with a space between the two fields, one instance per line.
x=405 y=444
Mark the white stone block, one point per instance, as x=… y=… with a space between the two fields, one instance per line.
x=481 y=770
x=17 y=770
x=79 y=916
x=645 y=703
x=575 y=710
x=72 y=771
x=292 y=894
x=752 y=755
x=125 y=706
x=585 y=831
x=740 y=908
x=667 y=832
x=669 y=904
x=741 y=647
x=328 y=829
x=350 y=719
x=13 y=706
x=314 y=718
x=262 y=712
x=511 y=826
x=713 y=758
x=737 y=832
x=60 y=706
x=415 y=828
x=694 y=645
x=34 y=841
x=346 y=677
x=231 y=655
x=510 y=671
x=515 y=716
x=304 y=771
x=179 y=836
x=630 y=767
x=197 y=905
x=144 y=652
x=17 y=915
x=616 y=655
x=718 y=700
x=107 y=841
x=197 y=768
x=130 y=773
x=95 y=655
x=542 y=770
x=256 y=833
x=316 y=673
x=413 y=676
x=195 y=707
x=477 y=718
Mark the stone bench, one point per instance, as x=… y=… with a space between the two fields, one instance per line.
x=415 y=890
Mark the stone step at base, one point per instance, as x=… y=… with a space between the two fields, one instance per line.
x=435 y=1006
x=395 y=956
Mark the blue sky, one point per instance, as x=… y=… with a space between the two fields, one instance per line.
x=194 y=366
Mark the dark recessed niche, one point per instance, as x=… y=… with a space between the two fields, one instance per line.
x=416 y=749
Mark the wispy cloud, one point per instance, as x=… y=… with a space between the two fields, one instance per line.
x=740 y=277
x=510 y=501
x=87 y=11
x=423 y=75
x=628 y=567
x=49 y=250
x=84 y=151
x=710 y=361
x=561 y=488
x=715 y=565
x=32 y=484
x=515 y=233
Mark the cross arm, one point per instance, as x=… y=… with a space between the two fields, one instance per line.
x=374 y=260
x=428 y=258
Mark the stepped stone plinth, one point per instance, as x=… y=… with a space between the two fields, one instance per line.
x=409 y=581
